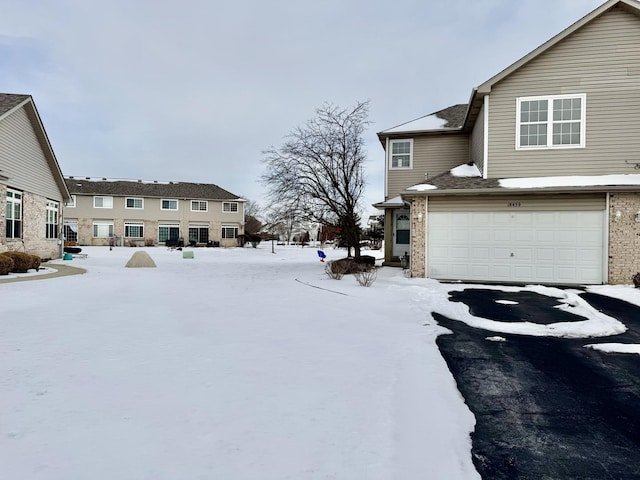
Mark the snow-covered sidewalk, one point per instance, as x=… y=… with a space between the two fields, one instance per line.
x=226 y=367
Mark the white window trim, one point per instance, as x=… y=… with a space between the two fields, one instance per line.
x=133 y=224
x=103 y=197
x=401 y=140
x=15 y=198
x=103 y=224
x=206 y=205
x=72 y=203
x=237 y=210
x=234 y=227
x=550 y=122
x=52 y=210
x=170 y=200
x=134 y=198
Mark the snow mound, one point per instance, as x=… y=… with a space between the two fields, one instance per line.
x=141 y=259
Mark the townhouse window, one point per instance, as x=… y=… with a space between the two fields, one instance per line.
x=168 y=232
x=199 y=233
x=102 y=202
x=13 y=214
x=199 y=205
x=133 y=230
x=168 y=204
x=102 y=229
x=72 y=203
x=132 y=202
x=555 y=121
x=70 y=231
x=52 y=219
x=229 y=231
x=230 y=207
x=401 y=153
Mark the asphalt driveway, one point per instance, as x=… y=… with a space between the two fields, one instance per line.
x=546 y=408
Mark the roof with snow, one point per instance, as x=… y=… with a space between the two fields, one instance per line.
x=450 y=118
x=104 y=186
x=464 y=179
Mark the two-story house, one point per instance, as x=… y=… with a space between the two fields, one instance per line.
x=537 y=178
x=138 y=213
x=32 y=188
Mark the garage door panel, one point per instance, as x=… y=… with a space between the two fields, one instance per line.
x=501 y=235
x=482 y=254
x=543 y=246
x=545 y=255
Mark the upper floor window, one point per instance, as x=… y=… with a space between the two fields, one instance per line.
x=13 y=218
x=102 y=202
x=199 y=205
x=168 y=204
x=230 y=207
x=72 y=203
x=402 y=153
x=555 y=121
x=52 y=219
x=132 y=202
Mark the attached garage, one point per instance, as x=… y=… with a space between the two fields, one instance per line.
x=558 y=239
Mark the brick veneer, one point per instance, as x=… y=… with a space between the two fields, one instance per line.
x=624 y=237
x=418 y=236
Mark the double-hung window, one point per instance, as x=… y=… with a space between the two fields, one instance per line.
x=102 y=229
x=134 y=202
x=229 y=231
x=168 y=204
x=52 y=219
x=13 y=217
x=133 y=230
x=199 y=205
x=401 y=154
x=102 y=202
x=230 y=207
x=555 y=121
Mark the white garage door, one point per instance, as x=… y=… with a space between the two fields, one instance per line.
x=543 y=246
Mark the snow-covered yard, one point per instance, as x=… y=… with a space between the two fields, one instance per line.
x=237 y=364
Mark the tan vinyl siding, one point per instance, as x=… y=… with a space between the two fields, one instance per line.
x=600 y=60
x=22 y=158
x=477 y=141
x=585 y=202
x=152 y=211
x=432 y=155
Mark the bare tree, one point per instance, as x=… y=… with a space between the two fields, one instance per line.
x=320 y=169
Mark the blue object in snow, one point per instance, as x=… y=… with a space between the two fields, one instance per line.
x=322 y=255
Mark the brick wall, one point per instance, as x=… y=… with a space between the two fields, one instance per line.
x=34 y=221
x=418 y=240
x=624 y=237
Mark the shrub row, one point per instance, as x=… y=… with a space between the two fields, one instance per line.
x=18 y=262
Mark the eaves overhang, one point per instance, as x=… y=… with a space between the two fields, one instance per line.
x=519 y=191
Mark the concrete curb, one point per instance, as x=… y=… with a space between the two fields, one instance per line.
x=62 y=271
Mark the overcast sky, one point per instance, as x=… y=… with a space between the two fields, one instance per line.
x=196 y=90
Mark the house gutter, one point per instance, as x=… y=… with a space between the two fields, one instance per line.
x=519 y=191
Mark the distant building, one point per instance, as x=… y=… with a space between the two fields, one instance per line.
x=137 y=213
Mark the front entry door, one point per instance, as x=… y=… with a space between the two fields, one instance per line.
x=401 y=232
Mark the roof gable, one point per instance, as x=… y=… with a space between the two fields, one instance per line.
x=10 y=103
x=631 y=6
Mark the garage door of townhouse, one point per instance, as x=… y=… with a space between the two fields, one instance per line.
x=517 y=246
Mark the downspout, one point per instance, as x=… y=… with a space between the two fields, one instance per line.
x=485 y=146
x=605 y=250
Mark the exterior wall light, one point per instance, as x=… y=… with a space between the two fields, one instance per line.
x=617 y=216
x=637 y=217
